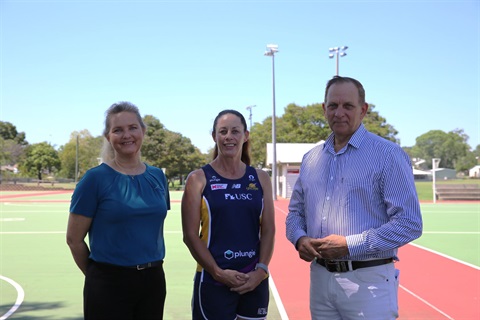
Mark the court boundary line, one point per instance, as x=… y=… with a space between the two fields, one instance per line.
x=279 y=208
x=425 y=302
x=446 y=256
x=450 y=232
x=18 y=301
x=61 y=232
x=278 y=300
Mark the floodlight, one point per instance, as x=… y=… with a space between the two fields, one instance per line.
x=338 y=52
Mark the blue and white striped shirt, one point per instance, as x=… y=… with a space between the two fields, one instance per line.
x=365 y=192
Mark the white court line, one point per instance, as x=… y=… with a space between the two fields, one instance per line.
x=451 y=232
x=32 y=232
x=59 y=232
x=278 y=301
x=426 y=302
x=445 y=256
x=38 y=211
x=438 y=253
x=34 y=204
x=20 y=297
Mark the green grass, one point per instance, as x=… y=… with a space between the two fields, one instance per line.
x=425 y=188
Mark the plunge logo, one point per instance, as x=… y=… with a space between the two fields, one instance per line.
x=229 y=254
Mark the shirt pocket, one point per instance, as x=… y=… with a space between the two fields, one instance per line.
x=355 y=191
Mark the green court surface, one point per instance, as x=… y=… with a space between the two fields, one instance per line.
x=34 y=254
x=452 y=229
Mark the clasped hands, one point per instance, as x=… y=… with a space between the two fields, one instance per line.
x=241 y=282
x=330 y=247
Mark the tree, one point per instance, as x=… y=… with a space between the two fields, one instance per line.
x=182 y=158
x=377 y=124
x=41 y=158
x=302 y=124
x=9 y=132
x=451 y=147
x=12 y=144
x=89 y=149
x=153 y=148
x=307 y=125
x=169 y=150
x=476 y=152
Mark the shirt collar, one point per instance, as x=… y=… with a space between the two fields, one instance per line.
x=355 y=140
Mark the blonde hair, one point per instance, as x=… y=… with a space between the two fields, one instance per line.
x=107 y=153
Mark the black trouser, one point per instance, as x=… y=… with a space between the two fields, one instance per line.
x=113 y=292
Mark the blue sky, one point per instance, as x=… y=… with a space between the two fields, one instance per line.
x=63 y=63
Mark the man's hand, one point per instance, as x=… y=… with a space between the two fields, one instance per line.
x=307 y=248
x=332 y=247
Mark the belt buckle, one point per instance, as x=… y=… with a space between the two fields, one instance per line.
x=144 y=266
x=338 y=266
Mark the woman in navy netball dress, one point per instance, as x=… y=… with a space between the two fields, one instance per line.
x=228 y=226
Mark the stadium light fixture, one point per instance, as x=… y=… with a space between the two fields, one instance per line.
x=272 y=49
x=249 y=108
x=337 y=52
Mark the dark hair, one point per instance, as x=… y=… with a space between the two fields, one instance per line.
x=246 y=145
x=122 y=106
x=339 y=79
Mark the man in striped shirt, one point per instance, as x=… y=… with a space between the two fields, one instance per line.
x=353 y=205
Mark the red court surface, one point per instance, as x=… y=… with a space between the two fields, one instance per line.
x=432 y=286
x=4 y=197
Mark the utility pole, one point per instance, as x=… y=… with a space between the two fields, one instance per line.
x=249 y=108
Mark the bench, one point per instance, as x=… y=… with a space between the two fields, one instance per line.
x=457 y=191
x=45 y=181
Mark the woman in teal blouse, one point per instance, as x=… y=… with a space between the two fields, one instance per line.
x=121 y=204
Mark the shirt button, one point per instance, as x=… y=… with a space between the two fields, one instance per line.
x=328 y=198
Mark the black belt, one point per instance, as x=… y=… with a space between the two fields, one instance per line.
x=138 y=266
x=344 y=266
x=147 y=265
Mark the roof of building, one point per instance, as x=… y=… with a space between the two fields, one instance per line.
x=289 y=152
x=417 y=172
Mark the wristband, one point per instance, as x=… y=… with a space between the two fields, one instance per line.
x=263 y=267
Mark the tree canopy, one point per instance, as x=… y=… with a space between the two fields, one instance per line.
x=307 y=125
x=89 y=148
x=178 y=156
x=451 y=148
x=41 y=159
x=169 y=150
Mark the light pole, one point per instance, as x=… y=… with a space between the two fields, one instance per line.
x=435 y=163
x=76 y=161
x=337 y=51
x=271 y=50
x=249 y=108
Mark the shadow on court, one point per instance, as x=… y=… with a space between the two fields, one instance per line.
x=31 y=310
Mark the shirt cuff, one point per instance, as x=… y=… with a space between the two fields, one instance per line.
x=296 y=236
x=355 y=244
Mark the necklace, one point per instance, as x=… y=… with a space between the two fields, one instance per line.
x=131 y=172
